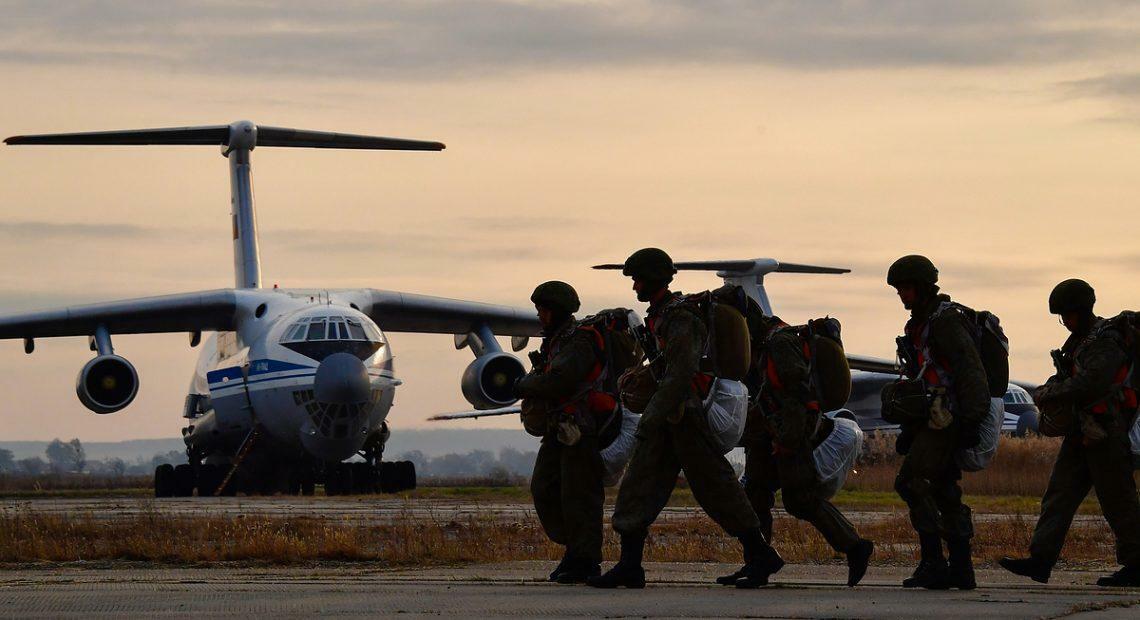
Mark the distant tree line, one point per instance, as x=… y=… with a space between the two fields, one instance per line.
x=70 y=457
x=507 y=466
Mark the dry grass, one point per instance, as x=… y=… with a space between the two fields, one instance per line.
x=1020 y=468
x=28 y=537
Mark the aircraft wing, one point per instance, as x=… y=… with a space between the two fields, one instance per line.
x=184 y=312
x=873 y=364
x=405 y=312
x=476 y=413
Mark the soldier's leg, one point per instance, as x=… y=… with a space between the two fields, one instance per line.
x=761 y=481
x=648 y=482
x=711 y=476
x=925 y=462
x=1110 y=468
x=803 y=501
x=1069 y=484
x=583 y=494
x=946 y=488
x=926 y=459
x=546 y=489
x=720 y=494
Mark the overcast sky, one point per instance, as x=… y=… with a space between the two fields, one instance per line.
x=998 y=138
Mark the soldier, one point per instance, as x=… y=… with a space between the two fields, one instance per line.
x=784 y=426
x=1095 y=454
x=928 y=479
x=565 y=387
x=674 y=435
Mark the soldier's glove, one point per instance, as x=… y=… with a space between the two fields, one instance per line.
x=940 y=417
x=969 y=436
x=568 y=433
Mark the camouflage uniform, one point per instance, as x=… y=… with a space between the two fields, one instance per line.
x=928 y=478
x=794 y=424
x=567 y=480
x=674 y=435
x=1096 y=357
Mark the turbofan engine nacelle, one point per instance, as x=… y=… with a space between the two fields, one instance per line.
x=106 y=384
x=487 y=383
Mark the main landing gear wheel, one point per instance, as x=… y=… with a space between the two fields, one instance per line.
x=183 y=480
x=164 y=480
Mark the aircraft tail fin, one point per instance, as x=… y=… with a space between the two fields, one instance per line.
x=237 y=140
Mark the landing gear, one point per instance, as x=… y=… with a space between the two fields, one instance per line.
x=164 y=480
x=361 y=478
x=184 y=481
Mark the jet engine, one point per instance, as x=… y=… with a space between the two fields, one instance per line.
x=487 y=383
x=107 y=383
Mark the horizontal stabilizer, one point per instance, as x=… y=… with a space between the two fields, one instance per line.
x=476 y=413
x=797 y=268
x=212 y=135
x=220 y=135
x=753 y=266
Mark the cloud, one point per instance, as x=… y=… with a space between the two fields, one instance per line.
x=43 y=230
x=433 y=39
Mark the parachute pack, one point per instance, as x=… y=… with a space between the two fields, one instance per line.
x=620 y=348
x=992 y=343
x=727 y=353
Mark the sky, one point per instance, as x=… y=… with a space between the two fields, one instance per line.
x=998 y=138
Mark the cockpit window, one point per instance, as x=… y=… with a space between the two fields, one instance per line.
x=355 y=331
x=316 y=330
x=331 y=328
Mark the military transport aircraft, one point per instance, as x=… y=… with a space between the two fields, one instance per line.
x=290 y=383
x=869 y=374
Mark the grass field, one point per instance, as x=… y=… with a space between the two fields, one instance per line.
x=28 y=537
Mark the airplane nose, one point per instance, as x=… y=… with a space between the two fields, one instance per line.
x=342 y=379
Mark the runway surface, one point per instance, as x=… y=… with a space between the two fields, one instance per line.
x=377 y=509
x=511 y=590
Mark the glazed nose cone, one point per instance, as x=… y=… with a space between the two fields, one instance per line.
x=342 y=379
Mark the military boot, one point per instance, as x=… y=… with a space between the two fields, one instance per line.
x=1127 y=577
x=760 y=561
x=961 y=565
x=579 y=570
x=730 y=579
x=858 y=558
x=562 y=565
x=628 y=571
x=1037 y=570
x=932 y=572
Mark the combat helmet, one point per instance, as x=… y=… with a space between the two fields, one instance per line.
x=1072 y=295
x=556 y=295
x=650 y=264
x=913 y=269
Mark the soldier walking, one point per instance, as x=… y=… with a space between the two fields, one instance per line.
x=784 y=426
x=674 y=435
x=564 y=402
x=944 y=357
x=1089 y=402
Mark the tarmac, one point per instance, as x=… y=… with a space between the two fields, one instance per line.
x=365 y=509
x=515 y=590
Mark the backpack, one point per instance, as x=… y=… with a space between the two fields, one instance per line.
x=829 y=372
x=989 y=338
x=727 y=353
x=620 y=348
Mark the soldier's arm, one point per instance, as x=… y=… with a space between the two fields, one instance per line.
x=684 y=342
x=1095 y=370
x=567 y=371
x=957 y=347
